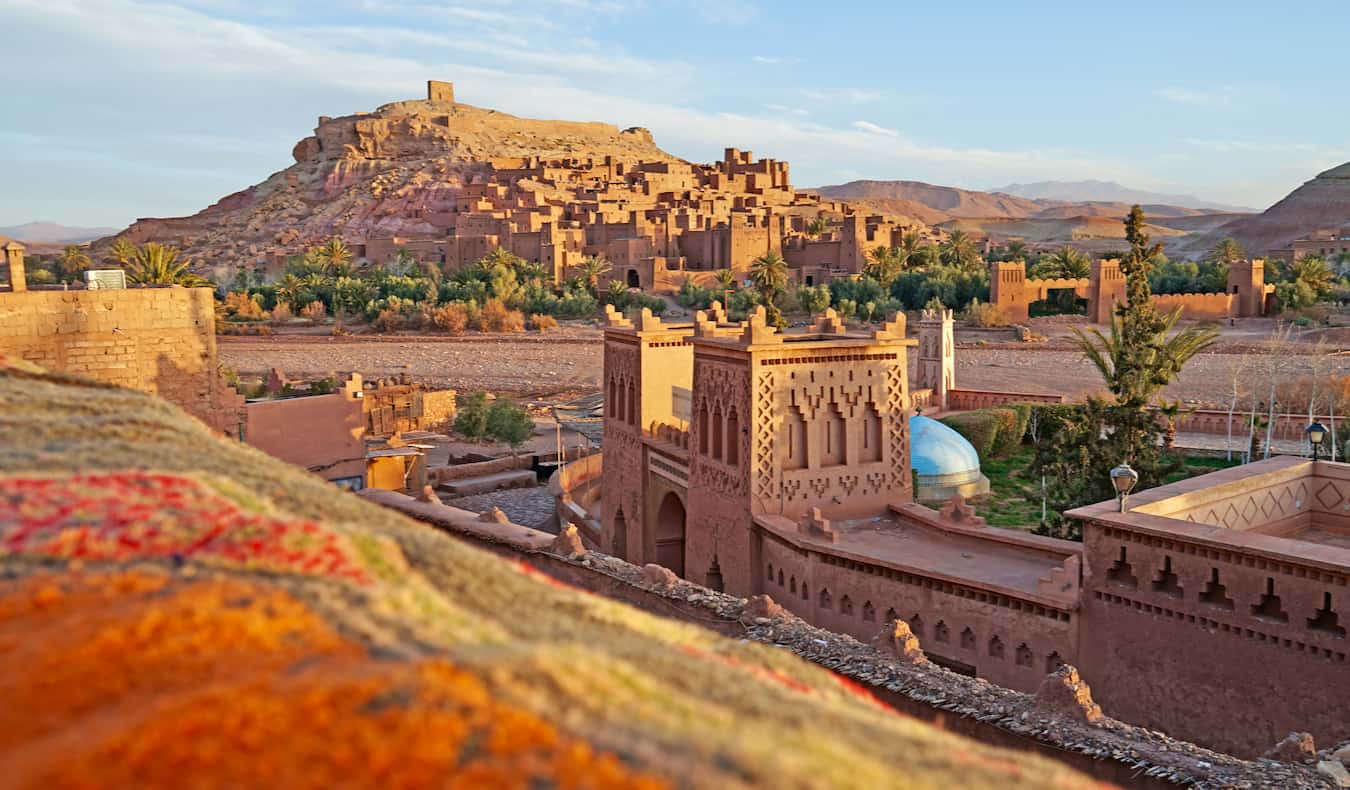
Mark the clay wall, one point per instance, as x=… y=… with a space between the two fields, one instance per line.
x=1213 y=306
x=1168 y=650
x=157 y=340
x=968 y=400
x=1287 y=427
x=1007 y=640
x=324 y=434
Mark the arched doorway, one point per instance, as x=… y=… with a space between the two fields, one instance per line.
x=633 y=281
x=670 y=534
x=620 y=542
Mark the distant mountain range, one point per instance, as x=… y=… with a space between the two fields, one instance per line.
x=52 y=233
x=1109 y=192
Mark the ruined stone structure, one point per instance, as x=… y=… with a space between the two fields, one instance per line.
x=758 y=462
x=157 y=340
x=1012 y=292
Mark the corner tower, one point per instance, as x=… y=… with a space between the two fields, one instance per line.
x=782 y=424
x=937 y=357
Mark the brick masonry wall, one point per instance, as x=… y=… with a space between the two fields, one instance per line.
x=157 y=340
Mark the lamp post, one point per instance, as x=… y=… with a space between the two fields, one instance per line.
x=1316 y=433
x=1123 y=479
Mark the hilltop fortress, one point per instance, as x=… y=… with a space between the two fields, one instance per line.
x=450 y=182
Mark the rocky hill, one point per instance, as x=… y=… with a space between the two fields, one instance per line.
x=1092 y=191
x=378 y=171
x=1093 y=225
x=1322 y=203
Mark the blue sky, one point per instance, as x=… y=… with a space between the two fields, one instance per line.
x=117 y=109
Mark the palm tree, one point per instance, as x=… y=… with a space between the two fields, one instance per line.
x=1170 y=410
x=532 y=273
x=910 y=242
x=122 y=251
x=72 y=263
x=1154 y=364
x=884 y=264
x=1313 y=271
x=959 y=250
x=768 y=273
x=726 y=279
x=159 y=264
x=335 y=255
x=289 y=290
x=591 y=269
x=499 y=257
x=1069 y=263
x=1015 y=250
x=405 y=262
x=818 y=226
x=1227 y=252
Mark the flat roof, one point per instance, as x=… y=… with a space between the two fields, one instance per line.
x=988 y=557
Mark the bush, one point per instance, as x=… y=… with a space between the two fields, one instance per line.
x=471 y=415
x=1023 y=412
x=314 y=311
x=497 y=317
x=390 y=319
x=540 y=322
x=509 y=423
x=281 y=314
x=1008 y=439
x=693 y=296
x=980 y=429
x=239 y=306
x=983 y=314
x=452 y=318
x=40 y=277
x=656 y=304
x=1048 y=419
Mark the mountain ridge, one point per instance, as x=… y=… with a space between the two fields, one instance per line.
x=1095 y=191
x=42 y=231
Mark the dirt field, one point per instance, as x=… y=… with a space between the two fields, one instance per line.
x=568 y=362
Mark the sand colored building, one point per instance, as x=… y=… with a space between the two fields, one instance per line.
x=758 y=462
x=1012 y=292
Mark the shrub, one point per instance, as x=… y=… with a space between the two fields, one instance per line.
x=282 y=314
x=452 y=318
x=1008 y=439
x=471 y=415
x=638 y=301
x=541 y=322
x=40 y=277
x=509 y=423
x=983 y=314
x=980 y=429
x=497 y=317
x=694 y=296
x=390 y=319
x=240 y=306
x=1023 y=412
x=314 y=311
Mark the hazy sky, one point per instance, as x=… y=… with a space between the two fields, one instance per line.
x=117 y=109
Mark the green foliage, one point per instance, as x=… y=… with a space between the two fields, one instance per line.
x=769 y=274
x=1188 y=277
x=1142 y=354
x=509 y=423
x=983 y=314
x=813 y=299
x=1008 y=438
x=1069 y=263
x=818 y=226
x=950 y=285
x=71 y=264
x=980 y=429
x=693 y=296
x=1226 y=252
x=158 y=264
x=471 y=415
x=959 y=251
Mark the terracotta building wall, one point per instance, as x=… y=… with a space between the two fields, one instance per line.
x=1165 y=649
x=321 y=433
x=157 y=340
x=1013 y=642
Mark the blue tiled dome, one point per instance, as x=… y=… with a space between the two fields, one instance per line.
x=936 y=450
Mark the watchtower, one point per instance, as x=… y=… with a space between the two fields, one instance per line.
x=1007 y=289
x=13 y=260
x=937 y=357
x=1247 y=284
x=440 y=92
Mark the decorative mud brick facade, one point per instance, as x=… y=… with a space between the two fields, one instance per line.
x=158 y=340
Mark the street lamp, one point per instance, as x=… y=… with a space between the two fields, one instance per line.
x=1316 y=433
x=1123 y=479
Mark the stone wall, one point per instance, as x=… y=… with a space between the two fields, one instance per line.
x=964 y=400
x=157 y=340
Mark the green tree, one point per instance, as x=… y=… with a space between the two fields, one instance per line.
x=1068 y=263
x=910 y=242
x=405 y=262
x=471 y=415
x=1014 y=250
x=591 y=269
x=122 y=251
x=335 y=256
x=1313 y=271
x=1142 y=354
x=726 y=279
x=509 y=423
x=291 y=290
x=1226 y=252
x=959 y=250
x=818 y=226
x=158 y=264
x=769 y=274
x=72 y=263
x=884 y=264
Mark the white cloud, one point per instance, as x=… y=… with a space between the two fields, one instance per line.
x=871 y=128
x=844 y=95
x=1219 y=97
x=766 y=59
